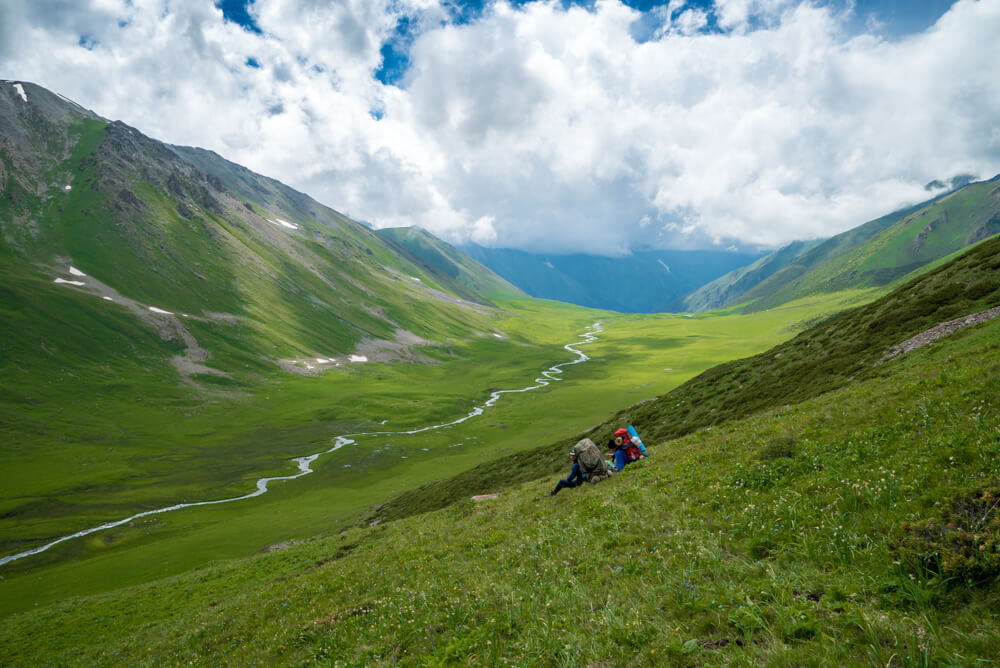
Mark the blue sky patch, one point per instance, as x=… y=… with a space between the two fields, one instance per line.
x=396 y=52
x=238 y=11
x=898 y=18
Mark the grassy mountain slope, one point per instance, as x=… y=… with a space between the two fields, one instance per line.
x=108 y=407
x=437 y=257
x=186 y=231
x=854 y=527
x=874 y=254
x=727 y=289
x=641 y=282
x=829 y=355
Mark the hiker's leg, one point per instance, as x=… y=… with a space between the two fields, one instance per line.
x=575 y=475
x=620 y=460
x=564 y=482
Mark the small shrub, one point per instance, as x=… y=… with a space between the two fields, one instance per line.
x=980 y=289
x=962 y=546
x=949 y=312
x=782 y=447
x=946 y=294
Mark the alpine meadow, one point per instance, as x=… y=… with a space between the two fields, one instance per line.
x=241 y=428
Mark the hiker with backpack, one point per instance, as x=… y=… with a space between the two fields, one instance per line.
x=623 y=449
x=588 y=465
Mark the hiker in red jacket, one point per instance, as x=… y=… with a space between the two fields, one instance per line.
x=623 y=449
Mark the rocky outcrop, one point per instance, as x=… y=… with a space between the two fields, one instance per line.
x=934 y=333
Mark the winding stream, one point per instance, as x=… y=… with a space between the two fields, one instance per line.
x=304 y=463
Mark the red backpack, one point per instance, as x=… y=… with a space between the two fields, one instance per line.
x=623 y=441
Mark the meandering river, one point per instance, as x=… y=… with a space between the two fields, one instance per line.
x=304 y=463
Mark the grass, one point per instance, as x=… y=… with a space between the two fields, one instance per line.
x=825 y=356
x=776 y=539
x=85 y=458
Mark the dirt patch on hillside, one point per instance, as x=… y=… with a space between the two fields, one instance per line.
x=936 y=332
x=401 y=349
x=228 y=318
x=417 y=284
x=277 y=547
x=168 y=325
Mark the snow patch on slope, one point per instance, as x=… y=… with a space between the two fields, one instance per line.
x=283 y=223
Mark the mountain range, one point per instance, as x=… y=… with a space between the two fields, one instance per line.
x=644 y=281
x=874 y=254
x=189 y=231
x=233 y=270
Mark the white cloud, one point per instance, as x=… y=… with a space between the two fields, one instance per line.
x=541 y=126
x=736 y=14
x=482 y=231
x=690 y=21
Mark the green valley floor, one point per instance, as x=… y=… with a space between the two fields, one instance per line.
x=856 y=528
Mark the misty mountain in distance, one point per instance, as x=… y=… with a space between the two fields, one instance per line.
x=873 y=254
x=649 y=281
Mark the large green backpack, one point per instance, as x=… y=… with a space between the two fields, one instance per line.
x=588 y=456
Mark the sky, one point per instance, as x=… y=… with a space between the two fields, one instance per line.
x=597 y=126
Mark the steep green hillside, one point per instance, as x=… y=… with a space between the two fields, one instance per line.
x=184 y=231
x=831 y=354
x=858 y=527
x=874 y=254
x=729 y=288
x=437 y=257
